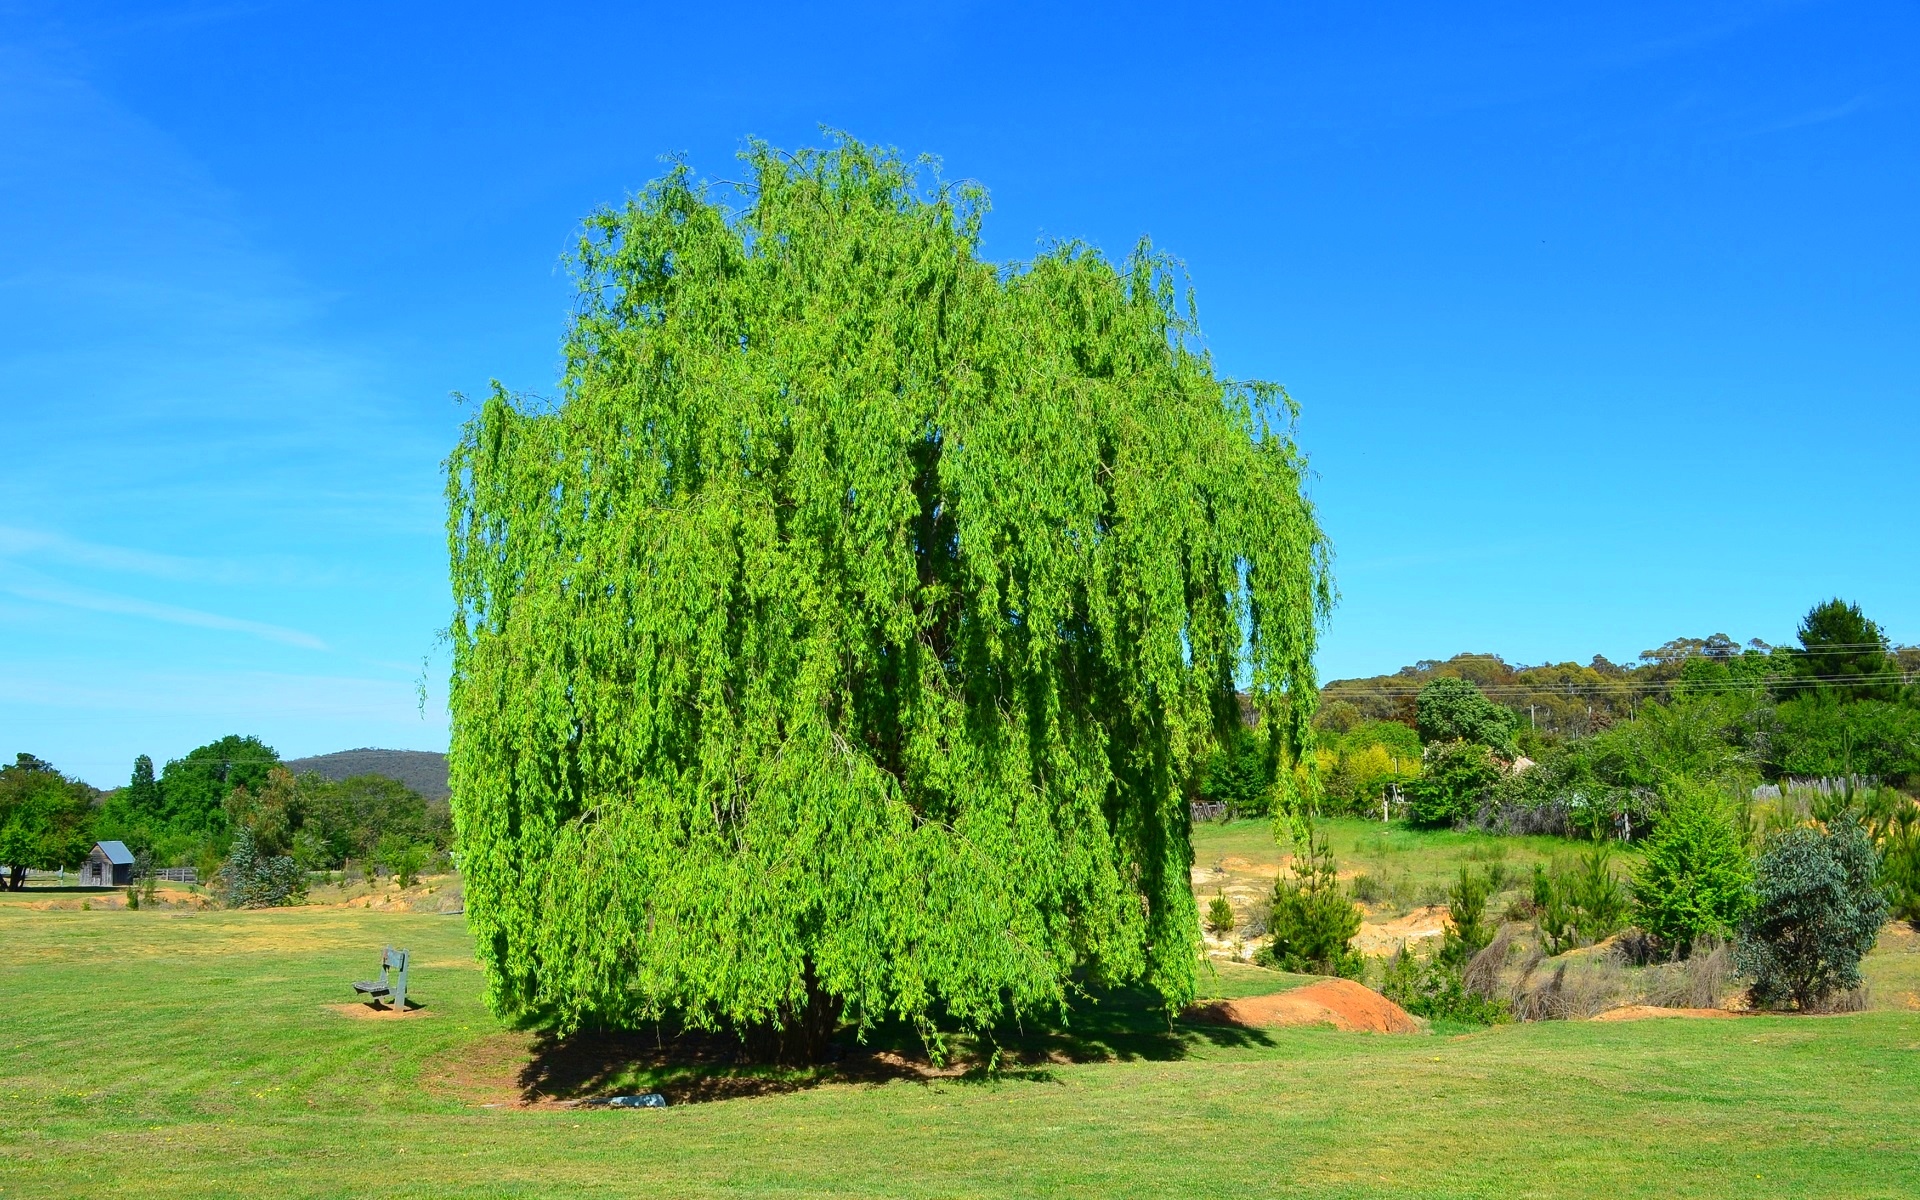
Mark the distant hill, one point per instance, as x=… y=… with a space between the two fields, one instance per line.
x=422 y=770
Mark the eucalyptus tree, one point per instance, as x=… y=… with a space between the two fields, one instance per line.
x=836 y=647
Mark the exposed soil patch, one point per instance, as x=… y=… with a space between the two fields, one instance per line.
x=1341 y=1003
x=1643 y=1012
x=1238 y=865
x=1386 y=937
x=367 y=1012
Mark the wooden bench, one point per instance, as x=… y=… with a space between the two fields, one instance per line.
x=392 y=984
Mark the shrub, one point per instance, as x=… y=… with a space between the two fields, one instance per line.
x=1220 y=916
x=1696 y=982
x=1367 y=889
x=1455 y=776
x=1578 y=902
x=1313 y=920
x=1575 y=989
x=1467 y=930
x=1696 y=879
x=253 y=880
x=1818 y=911
x=1432 y=988
x=1900 y=865
x=404 y=858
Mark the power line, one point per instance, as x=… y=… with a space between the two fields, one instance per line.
x=1618 y=687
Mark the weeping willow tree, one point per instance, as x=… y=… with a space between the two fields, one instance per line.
x=837 y=647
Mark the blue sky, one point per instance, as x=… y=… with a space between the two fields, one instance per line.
x=1602 y=323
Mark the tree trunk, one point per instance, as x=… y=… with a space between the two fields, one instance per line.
x=802 y=1034
x=17 y=879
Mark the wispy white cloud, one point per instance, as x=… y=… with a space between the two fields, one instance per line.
x=37 y=543
x=133 y=606
x=1818 y=116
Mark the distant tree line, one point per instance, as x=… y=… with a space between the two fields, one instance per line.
x=195 y=809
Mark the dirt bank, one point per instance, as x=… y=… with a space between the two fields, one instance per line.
x=1340 y=1003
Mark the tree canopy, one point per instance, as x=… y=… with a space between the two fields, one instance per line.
x=185 y=810
x=45 y=818
x=1454 y=710
x=839 y=643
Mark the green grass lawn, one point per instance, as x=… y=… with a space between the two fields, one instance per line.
x=194 y=1054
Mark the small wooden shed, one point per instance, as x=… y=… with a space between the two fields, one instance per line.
x=109 y=864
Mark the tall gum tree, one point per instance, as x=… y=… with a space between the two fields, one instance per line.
x=836 y=648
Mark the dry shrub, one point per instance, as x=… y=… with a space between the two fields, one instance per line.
x=1481 y=976
x=1577 y=988
x=1698 y=981
x=1854 y=1000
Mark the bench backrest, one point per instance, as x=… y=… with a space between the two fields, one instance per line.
x=397 y=959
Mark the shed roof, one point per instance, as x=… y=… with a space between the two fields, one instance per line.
x=116 y=852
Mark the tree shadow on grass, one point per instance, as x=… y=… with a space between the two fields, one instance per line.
x=694 y=1067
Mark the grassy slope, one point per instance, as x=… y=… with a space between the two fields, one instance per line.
x=194 y=1054
x=1426 y=857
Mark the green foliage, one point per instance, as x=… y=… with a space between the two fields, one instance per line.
x=1313 y=920
x=1434 y=988
x=270 y=814
x=1695 y=879
x=1824 y=735
x=182 y=816
x=1239 y=774
x=1454 y=710
x=46 y=819
x=404 y=858
x=250 y=879
x=1900 y=864
x=193 y=790
x=1468 y=931
x=1818 y=910
x=1609 y=784
x=350 y=818
x=1455 y=777
x=1578 y=901
x=1359 y=766
x=845 y=635
x=1846 y=650
x=1219 y=916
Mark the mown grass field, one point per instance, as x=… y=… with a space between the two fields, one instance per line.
x=196 y=1054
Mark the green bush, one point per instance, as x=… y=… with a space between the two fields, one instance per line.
x=1817 y=912
x=1220 y=916
x=404 y=858
x=253 y=880
x=1900 y=865
x=1578 y=901
x=1467 y=930
x=1696 y=879
x=1313 y=920
x=1454 y=779
x=1434 y=989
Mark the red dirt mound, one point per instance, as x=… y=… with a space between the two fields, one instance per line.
x=1341 y=1003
